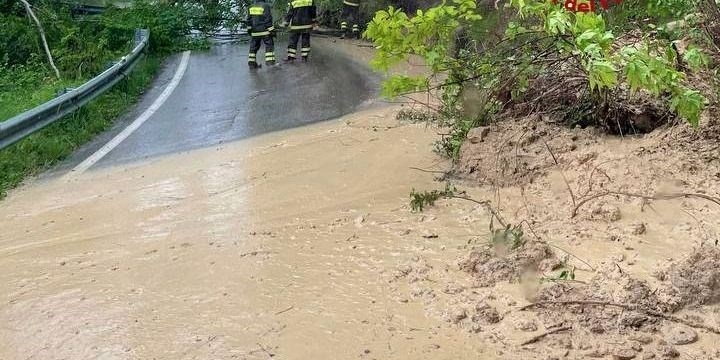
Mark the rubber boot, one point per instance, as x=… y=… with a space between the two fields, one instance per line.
x=270 y=63
x=253 y=65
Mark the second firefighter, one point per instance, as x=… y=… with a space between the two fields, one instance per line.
x=260 y=27
x=350 y=18
x=301 y=18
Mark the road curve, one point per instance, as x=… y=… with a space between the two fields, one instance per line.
x=219 y=100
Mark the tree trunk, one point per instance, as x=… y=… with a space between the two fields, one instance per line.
x=30 y=13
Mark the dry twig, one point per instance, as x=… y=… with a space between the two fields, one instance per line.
x=285 y=310
x=486 y=204
x=543 y=335
x=31 y=13
x=644 y=197
x=630 y=307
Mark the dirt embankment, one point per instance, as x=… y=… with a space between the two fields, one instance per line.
x=619 y=255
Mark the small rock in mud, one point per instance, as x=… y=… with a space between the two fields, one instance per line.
x=633 y=319
x=606 y=212
x=453 y=289
x=359 y=221
x=458 y=315
x=642 y=338
x=478 y=134
x=638 y=229
x=624 y=354
x=429 y=234
x=486 y=314
x=597 y=328
x=548 y=265
x=667 y=351
x=680 y=334
x=526 y=325
x=596 y=353
x=488 y=267
x=648 y=356
x=694 y=280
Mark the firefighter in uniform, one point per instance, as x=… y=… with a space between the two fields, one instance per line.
x=350 y=16
x=260 y=27
x=301 y=18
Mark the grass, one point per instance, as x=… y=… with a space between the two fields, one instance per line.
x=22 y=89
x=54 y=143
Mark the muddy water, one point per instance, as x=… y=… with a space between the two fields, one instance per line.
x=279 y=246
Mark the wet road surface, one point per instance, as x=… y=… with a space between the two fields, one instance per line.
x=219 y=99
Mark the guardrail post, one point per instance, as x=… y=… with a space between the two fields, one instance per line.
x=30 y=121
x=140 y=34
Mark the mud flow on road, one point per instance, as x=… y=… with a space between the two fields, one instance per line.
x=280 y=245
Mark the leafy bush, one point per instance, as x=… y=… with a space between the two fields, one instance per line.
x=541 y=41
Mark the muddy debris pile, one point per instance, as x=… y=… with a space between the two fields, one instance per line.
x=515 y=153
x=610 y=315
x=614 y=308
x=694 y=280
x=491 y=265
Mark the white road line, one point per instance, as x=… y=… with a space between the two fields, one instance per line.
x=94 y=158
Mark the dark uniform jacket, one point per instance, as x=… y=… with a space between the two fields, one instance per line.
x=301 y=14
x=260 y=21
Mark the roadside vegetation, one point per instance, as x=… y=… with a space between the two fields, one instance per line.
x=629 y=68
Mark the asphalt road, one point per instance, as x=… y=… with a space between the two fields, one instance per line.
x=219 y=99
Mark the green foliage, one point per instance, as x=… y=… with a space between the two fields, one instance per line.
x=418 y=201
x=402 y=84
x=428 y=34
x=645 y=67
x=696 y=59
x=52 y=144
x=169 y=23
x=25 y=86
x=18 y=40
x=510 y=236
x=566 y=272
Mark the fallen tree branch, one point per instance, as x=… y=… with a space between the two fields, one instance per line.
x=645 y=197
x=285 y=310
x=486 y=205
x=30 y=13
x=543 y=335
x=428 y=171
x=630 y=307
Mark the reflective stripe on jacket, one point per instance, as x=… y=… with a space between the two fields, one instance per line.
x=260 y=19
x=351 y=3
x=301 y=14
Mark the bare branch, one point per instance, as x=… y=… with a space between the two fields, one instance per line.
x=623 y=306
x=28 y=9
x=543 y=335
x=645 y=197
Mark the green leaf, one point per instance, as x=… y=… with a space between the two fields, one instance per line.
x=688 y=104
x=602 y=74
x=696 y=59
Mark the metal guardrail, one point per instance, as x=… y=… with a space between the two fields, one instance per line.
x=22 y=125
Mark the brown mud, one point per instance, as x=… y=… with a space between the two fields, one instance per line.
x=301 y=244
